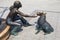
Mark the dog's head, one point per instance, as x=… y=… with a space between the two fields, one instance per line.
x=41 y=13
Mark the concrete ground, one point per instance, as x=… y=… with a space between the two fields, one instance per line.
x=29 y=6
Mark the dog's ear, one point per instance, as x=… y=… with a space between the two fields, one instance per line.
x=44 y=13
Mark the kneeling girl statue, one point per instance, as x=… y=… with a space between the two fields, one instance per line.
x=15 y=18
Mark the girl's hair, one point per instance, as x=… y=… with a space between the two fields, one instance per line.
x=17 y=4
